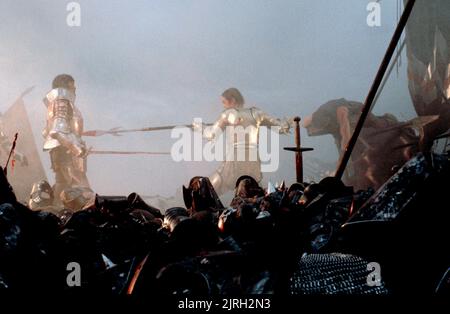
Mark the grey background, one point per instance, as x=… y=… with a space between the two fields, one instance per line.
x=150 y=63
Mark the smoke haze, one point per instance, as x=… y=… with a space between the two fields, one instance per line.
x=151 y=63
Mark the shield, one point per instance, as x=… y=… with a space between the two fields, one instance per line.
x=15 y=119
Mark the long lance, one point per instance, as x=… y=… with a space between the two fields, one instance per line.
x=119 y=131
x=118 y=152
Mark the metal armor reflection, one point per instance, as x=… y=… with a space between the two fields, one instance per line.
x=249 y=120
x=63 y=140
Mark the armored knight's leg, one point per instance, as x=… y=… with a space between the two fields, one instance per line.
x=79 y=178
x=218 y=182
x=249 y=168
x=224 y=179
x=60 y=164
x=84 y=180
x=79 y=169
x=61 y=183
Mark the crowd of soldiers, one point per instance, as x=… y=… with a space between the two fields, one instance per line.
x=330 y=237
x=308 y=238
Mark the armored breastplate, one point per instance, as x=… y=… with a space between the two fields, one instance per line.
x=62 y=117
x=245 y=126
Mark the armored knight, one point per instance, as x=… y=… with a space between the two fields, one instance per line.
x=250 y=120
x=63 y=136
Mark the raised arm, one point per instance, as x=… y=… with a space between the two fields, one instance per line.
x=211 y=132
x=264 y=119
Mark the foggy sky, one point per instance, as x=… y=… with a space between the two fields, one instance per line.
x=151 y=63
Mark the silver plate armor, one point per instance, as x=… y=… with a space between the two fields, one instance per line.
x=63 y=140
x=64 y=122
x=249 y=120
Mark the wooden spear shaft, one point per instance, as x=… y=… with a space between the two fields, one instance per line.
x=373 y=90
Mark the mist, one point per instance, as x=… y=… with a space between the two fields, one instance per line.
x=160 y=62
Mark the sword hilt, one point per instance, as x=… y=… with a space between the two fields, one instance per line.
x=298 y=154
x=298 y=149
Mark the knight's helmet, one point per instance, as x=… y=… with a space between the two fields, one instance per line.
x=41 y=195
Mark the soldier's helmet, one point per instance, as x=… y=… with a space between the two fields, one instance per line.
x=41 y=195
x=247 y=187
